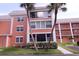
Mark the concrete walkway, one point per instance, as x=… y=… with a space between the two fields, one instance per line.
x=64 y=51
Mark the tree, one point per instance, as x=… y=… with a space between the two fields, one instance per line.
x=55 y=7
x=28 y=7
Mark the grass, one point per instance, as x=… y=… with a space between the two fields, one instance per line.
x=23 y=51
x=68 y=44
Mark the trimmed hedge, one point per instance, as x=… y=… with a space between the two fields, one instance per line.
x=45 y=45
x=78 y=43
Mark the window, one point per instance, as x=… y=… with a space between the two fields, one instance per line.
x=20 y=18
x=43 y=14
x=48 y=24
x=41 y=37
x=39 y=14
x=33 y=14
x=48 y=37
x=19 y=29
x=46 y=14
x=19 y=39
x=31 y=37
x=43 y=24
x=32 y=24
x=37 y=24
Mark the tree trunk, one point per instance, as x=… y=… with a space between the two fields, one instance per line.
x=31 y=30
x=56 y=10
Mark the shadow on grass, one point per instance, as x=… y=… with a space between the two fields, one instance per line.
x=24 y=51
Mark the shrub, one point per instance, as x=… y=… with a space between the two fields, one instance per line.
x=54 y=45
x=28 y=45
x=78 y=43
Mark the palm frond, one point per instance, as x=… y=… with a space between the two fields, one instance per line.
x=28 y=5
x=64 y=9
x=52 y=6
x=22 y=4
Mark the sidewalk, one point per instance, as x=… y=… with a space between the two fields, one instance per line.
x=64 y=51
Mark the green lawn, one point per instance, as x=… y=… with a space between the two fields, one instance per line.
x=68 y=44
x=22 y=51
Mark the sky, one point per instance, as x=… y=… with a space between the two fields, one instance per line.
x=72 y=9
x=5 y=8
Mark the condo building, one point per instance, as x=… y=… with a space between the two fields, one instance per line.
x=15 y=29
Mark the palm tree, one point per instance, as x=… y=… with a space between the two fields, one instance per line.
x=28 y=7
x=55 y=7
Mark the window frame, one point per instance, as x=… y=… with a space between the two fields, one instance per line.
x=19 y=37
x=39 y=24
x=44 y=24
x=35 y=24
x=20 y=18
x=20 y=28
x=32 y=25
x=49 y=24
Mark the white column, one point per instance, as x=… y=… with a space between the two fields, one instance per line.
x=71 y=31
x=11 y=28
x=36 y=37
x=28 y=32
x=60 y=32
x=46 y=37
x=7 y=38
x=54 y=35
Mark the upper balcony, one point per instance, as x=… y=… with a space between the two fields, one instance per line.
x=41 y=19
x=43 y=15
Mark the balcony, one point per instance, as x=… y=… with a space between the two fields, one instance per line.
x=38 y=19
x=75 y=34
x=41 y=30
x=40 y=15
x=65 y=26
x=75 y=25
x=66 y=32
x=76 y=31
x=56 y=27
x=57 y=32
